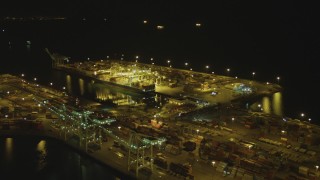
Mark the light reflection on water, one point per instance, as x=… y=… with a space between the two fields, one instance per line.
x=81 y=86
x=68 y=84
x=8 y=148
x=266 y=105
x=277 y=103
x=270 y=104
x=34 y=158
x=42 y=149
x=106 y=94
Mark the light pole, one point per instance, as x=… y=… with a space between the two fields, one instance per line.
x=253 y=73
x=168 y=63
x=302 y=115
x=207 y=68
x=137 y=57
x=278 y=79
x=213 y=163
x=228 y=71
x=186 y=64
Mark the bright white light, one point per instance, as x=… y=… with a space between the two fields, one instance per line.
x=160 y=27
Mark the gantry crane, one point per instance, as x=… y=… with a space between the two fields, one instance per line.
x=79 y=123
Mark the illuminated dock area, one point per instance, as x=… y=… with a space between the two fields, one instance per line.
x=178 y=138
x=207 y=88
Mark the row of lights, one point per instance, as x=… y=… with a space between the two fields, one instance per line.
x=35 y=79
x=207 y=67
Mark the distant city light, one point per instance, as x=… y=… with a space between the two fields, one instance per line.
x=145 y=22
x=160 y=27
x=198 y=24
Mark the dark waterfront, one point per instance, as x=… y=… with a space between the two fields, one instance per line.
x=99 y=40
x=41 y=158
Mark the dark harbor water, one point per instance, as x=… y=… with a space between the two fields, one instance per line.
x=48 y=159
x=245 y=44
x=99 y=40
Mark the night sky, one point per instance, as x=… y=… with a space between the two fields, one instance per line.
x=267 y=31
x=292 y=25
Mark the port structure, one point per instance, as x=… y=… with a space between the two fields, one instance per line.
x=77 y=123
x=140 y=155
x=57 y=59
x=88 y=130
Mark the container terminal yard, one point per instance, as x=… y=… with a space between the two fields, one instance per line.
x=200 y=126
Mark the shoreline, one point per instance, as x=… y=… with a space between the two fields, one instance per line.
x=46 y=135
